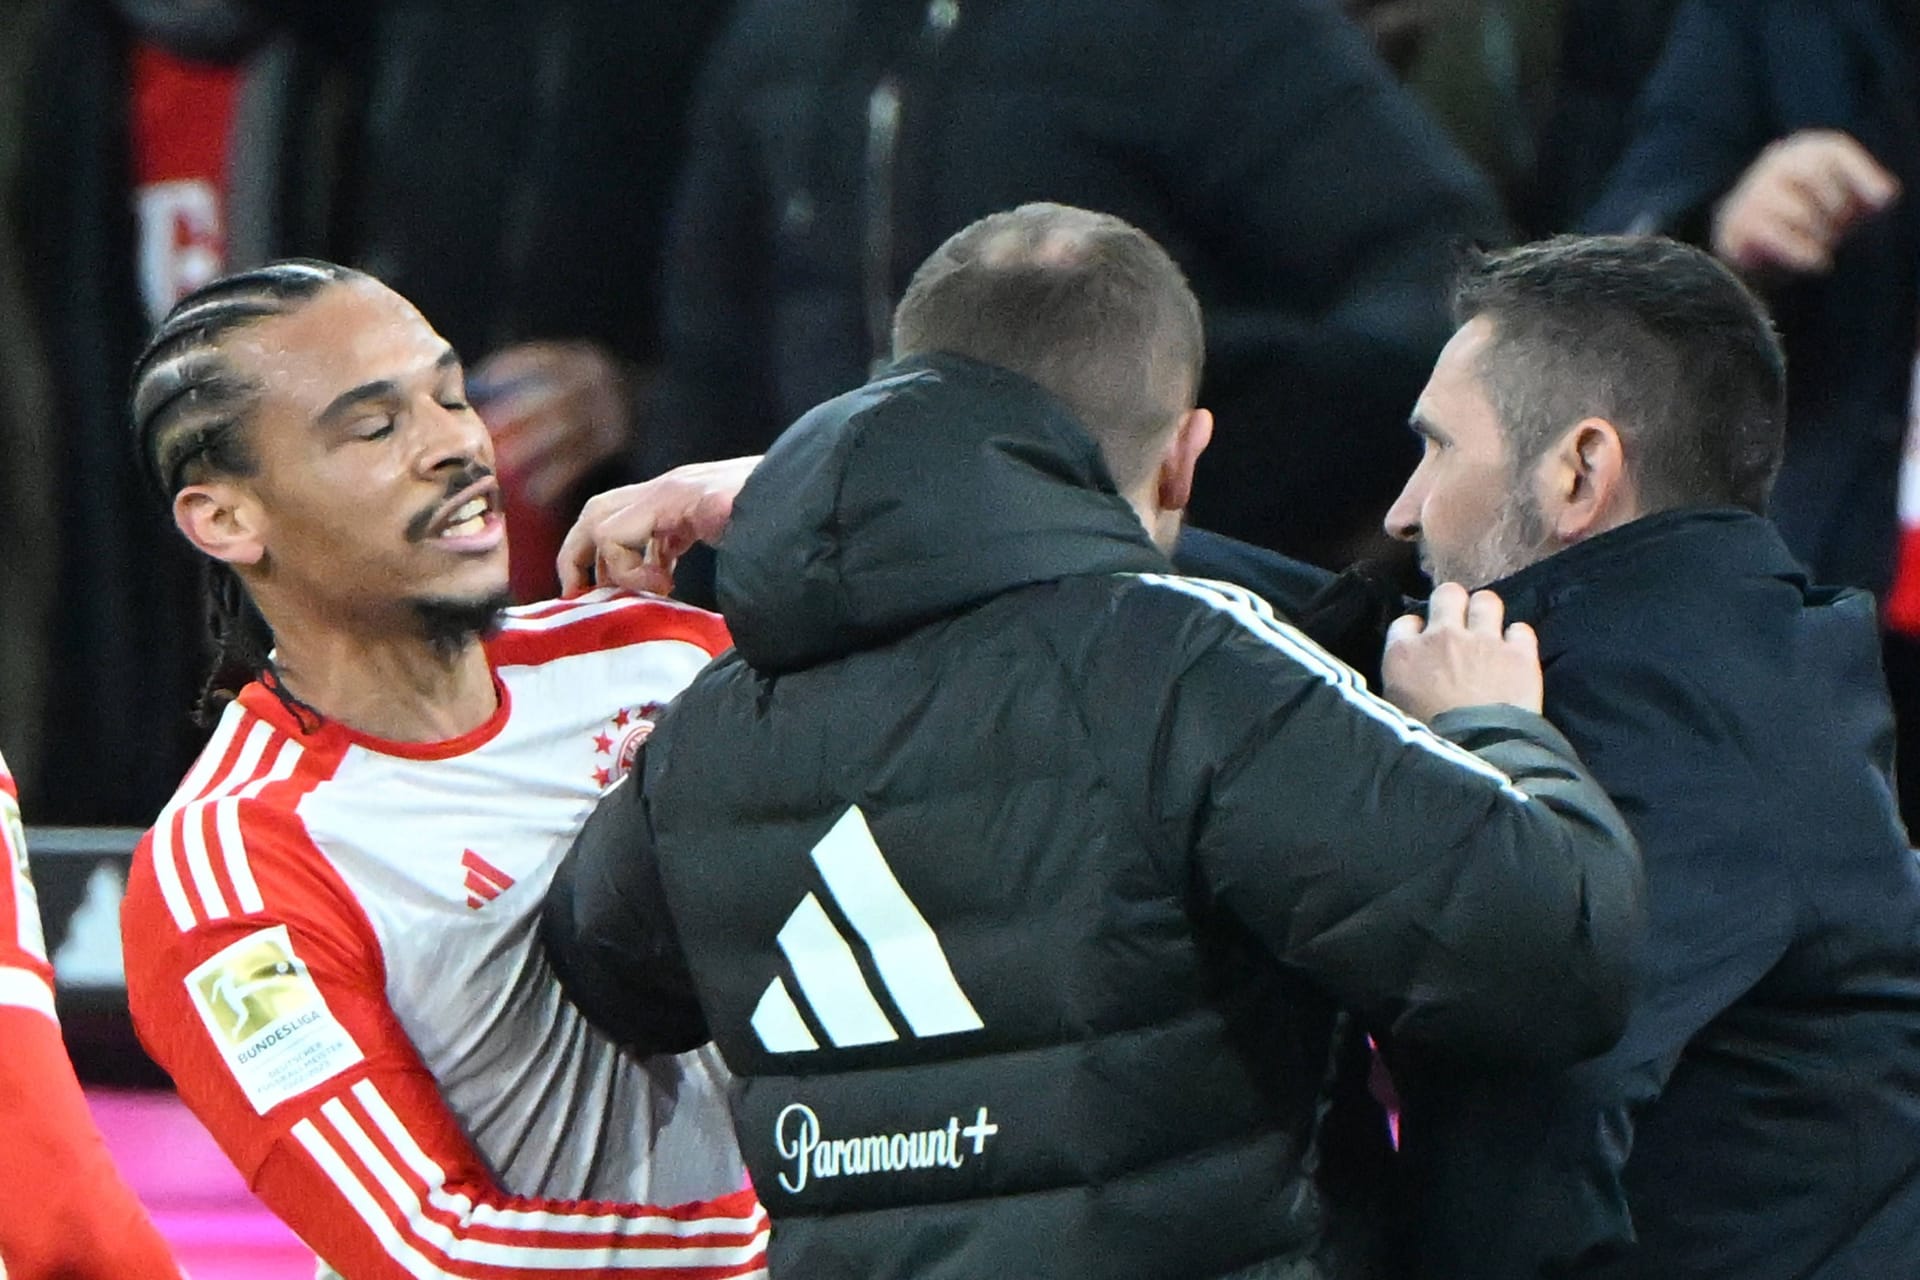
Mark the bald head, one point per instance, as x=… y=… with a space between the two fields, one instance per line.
x=1085 y=305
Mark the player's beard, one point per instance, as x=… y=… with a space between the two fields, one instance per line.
x=451 y=625
x=1517 y=538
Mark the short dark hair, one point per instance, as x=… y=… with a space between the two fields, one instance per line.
x=1656 y=337
x=1087 y=306
x=189 y=405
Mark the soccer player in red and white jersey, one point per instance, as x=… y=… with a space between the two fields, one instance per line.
x=65 y=1215
x=330 y=930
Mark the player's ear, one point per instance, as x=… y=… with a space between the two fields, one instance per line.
x=223 y=519
x=1584 y=482
x=1181 y=455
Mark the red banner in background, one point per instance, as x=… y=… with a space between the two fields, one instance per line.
x=182 y=117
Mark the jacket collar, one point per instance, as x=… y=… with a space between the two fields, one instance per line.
x=939 y=485
x=1690 y=545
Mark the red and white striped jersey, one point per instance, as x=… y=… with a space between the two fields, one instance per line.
x=80 y=1221
x=331 y=946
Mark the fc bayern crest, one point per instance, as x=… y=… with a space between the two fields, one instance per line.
x=620 y=742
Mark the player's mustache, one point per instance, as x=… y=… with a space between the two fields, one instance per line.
x=464 y=478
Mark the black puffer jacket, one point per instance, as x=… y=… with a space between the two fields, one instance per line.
x=1020 y=881
x=1317 y=211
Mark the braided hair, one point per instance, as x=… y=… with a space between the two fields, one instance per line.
x=189 y=404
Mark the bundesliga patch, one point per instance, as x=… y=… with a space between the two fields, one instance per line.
x=269 y=1020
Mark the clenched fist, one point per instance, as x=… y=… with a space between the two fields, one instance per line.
x=1797 y=202
x=1462 y=654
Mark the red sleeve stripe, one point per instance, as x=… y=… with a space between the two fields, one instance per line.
x=430 y=1249
x=25 y=989
x=166 y=869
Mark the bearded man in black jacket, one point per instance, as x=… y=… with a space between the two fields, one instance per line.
x=1023 y=883
x=1600 y=438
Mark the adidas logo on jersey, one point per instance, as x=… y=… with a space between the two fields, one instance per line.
x=904 y=951
x=485 y=882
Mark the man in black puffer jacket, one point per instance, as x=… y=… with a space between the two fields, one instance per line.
x=1022 y=883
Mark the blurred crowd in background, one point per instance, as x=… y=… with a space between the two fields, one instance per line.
x=658 y=233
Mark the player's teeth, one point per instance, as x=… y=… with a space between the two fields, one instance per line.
x=466 y=528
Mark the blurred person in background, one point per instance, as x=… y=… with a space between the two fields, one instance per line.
x=329 y=931
x=1799 y=170
x=27 y=524
x=1400 y=29
x=114 y=203
x=66 y=1213
x=506 y=163
x=25 y=480
x=1538 y=93
x=1479 y=67
x=836 y=143
x=1606 y=52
